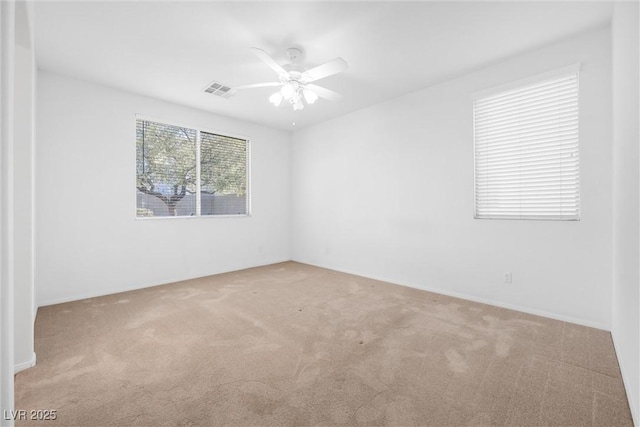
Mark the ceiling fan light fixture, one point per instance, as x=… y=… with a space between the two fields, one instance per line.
x=293 y=79
x=276 y=99
x=288 y=90
x=309 y=96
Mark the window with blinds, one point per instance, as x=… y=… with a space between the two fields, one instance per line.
x=526 y=150
x=189 y=172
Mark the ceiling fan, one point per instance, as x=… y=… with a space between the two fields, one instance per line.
x=296 y=82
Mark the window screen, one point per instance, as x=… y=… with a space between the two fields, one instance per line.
x=188 y=172
x=526 y=151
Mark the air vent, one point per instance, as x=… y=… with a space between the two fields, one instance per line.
x=219 y=89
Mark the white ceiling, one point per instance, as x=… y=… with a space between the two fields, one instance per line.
x=172 y=50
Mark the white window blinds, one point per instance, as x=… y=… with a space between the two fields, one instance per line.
x=526 y=151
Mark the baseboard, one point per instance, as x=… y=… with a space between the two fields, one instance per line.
x=515 y=307
x=25 y=365
x=633 y=405
x=488 y=301
x=86 y=295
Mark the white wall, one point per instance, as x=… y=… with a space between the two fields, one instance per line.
x=17 y=77
x=23 y=208
x=387 y=192
x=86 y=146
x=7 y=69
x=626 y=188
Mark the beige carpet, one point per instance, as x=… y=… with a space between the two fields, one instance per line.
x=291 y=344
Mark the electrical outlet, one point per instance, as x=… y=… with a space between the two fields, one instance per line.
x=507 y=277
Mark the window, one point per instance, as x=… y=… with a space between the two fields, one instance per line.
x=526 y=150
x=189 y=172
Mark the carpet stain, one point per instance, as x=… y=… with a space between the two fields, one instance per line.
x=457 y=362
x=503 y=345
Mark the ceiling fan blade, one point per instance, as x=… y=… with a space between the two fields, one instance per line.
x=324 y=93
x=264 y=57
x=269 y=84
x=327 y=69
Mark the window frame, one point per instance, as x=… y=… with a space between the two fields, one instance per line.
x=513 y=85
x=198 y=130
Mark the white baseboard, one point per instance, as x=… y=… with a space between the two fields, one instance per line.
x=25 y=365
x=528 y=310
x=488 y=301
x=101 y=293
x=633 y=405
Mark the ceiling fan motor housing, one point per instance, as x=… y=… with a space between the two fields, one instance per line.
x=293 y=54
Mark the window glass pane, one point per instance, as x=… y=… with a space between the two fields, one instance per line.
x=165 y=169
x=223 y=174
